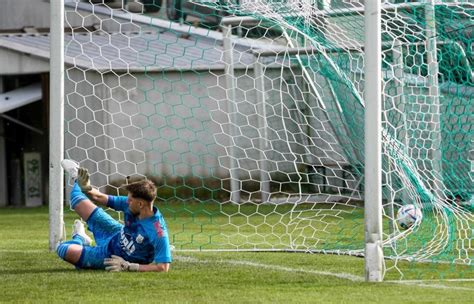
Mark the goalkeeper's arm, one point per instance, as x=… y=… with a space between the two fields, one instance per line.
x=97 y=196
x=160 y=267
x=117 y=264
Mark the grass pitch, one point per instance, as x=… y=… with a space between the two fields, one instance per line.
x=29 y=273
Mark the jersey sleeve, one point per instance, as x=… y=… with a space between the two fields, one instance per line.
x=118 y=203
x=162 y=251
x=161 y=244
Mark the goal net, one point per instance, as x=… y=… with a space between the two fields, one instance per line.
x=250 y=119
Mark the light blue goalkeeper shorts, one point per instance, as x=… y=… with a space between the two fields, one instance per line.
x=104 y=228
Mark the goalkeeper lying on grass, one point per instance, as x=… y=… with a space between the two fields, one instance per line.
x=139 y=245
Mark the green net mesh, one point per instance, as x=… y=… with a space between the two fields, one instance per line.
x=254 y=130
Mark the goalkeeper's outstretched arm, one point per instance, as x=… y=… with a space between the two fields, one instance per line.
x=161 y=267
x=116 y=264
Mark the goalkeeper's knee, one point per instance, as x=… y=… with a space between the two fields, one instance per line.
x=62 y=248
x=77 y=196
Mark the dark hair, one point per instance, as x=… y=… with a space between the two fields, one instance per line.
x=145 y=190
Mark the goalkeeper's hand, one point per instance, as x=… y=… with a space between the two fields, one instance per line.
x=83 y=180
x=116 y=264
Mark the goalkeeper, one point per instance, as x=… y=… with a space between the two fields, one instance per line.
x=141 y=244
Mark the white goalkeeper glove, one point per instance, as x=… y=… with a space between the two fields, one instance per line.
x=83 y=180
x=117 y=264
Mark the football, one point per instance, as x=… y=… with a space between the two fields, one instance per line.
x=408 y=215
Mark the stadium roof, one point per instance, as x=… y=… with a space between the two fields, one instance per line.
x=145 y=51
x=144 y=20
x=164 y=45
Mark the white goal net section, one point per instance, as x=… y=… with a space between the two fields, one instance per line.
x=250 y=120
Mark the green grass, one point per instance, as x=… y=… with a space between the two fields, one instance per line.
x=29 y=273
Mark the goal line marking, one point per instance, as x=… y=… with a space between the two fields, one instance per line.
x=346 y=276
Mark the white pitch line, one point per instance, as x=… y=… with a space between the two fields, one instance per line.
x=437 y=286
x=346 y=276
x=425 y=281
x=23 y=251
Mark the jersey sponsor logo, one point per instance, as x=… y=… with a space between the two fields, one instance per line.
x=127 y=245
x=159 y=230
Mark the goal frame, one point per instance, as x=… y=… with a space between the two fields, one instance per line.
x=373 y=100
x=373 y=206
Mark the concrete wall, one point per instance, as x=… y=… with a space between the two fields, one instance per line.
x=178 y=124
x=16 y=14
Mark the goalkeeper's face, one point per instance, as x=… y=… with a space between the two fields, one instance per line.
x=134 y=205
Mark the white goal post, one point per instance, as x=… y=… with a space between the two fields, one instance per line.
x=56 y=124
x=373 y=143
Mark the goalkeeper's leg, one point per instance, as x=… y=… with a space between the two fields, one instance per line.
x=78 y=252
x=102 y=225
x=82 y=256
x=71 y=251
x=81 y=204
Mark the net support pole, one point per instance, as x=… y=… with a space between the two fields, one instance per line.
x=433 y=89
x=56 y=123
x=398 y=63
x=230 y=92
x=262 y=117
x=397 y=55
x=373 y=143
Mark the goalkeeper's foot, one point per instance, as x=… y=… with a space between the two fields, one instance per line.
x=78 y=229
x=71 y=167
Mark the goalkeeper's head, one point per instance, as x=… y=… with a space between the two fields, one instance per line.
x=141 y=195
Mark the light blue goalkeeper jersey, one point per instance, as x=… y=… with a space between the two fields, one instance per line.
x=140 y=241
